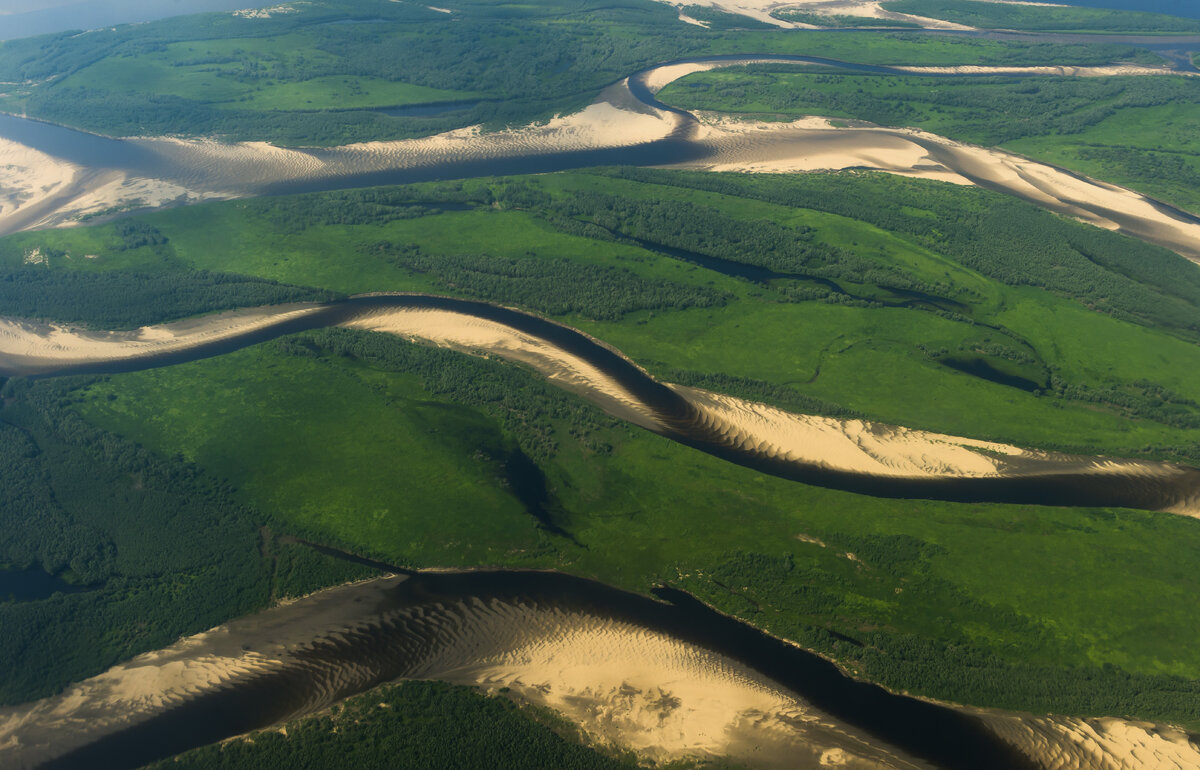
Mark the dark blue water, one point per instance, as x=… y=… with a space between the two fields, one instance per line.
x=88 y=150
x=39 y=17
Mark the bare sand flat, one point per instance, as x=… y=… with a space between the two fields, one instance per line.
x=37 y=190
x=1105 y=743
x=884 y=450
x=760 y=10
x=1115 y=70
x=485 y=337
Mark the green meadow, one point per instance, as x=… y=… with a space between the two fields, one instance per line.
x=1087 y=371
x=425 y=457
x=319 y=75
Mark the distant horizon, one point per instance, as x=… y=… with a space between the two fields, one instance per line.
x=21 y=21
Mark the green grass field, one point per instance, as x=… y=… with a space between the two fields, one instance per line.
x=406 y=457
x=358 y=456
x=832 y=352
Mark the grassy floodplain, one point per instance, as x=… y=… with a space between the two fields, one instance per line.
x=323 y=73
x=430 y=458
x=1133 y=131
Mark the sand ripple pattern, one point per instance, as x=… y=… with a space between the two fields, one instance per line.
x=621 y=680
x=612 y=662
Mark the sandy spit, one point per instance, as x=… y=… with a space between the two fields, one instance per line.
x=760 y=10
x=1103 y=743
x=814 y=144
x=619 y=680
x=484 y=337
x=28 y=348
x=884 y=450
x=38 y=191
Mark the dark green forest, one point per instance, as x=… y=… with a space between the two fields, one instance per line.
x=153 y=547
x=418 y=725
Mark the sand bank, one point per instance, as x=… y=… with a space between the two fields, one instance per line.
x=812 y=144
x=1114 y=70
x=760 y=10
x=619 y=679
x=38 y=190
x=485 y=337
x=28 y=348
x=1072 y=743
x=851 y=454
x=607 y=661
x=882 y=450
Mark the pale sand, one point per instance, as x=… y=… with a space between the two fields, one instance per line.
x=891 y=451
x=616 y=119
x=33 y=348
x=646 y=691
x=806 y=145
x=660 y=77
x=1108 y=71
x=871 y=9
x=621 y=682
x=1072 y=743
x=483 y=337
x=38 y=190
x=812 y=144
x=804 y=441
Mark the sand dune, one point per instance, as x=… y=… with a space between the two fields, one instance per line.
x=1072 y=743
x=604 y=659
x=620 y=680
